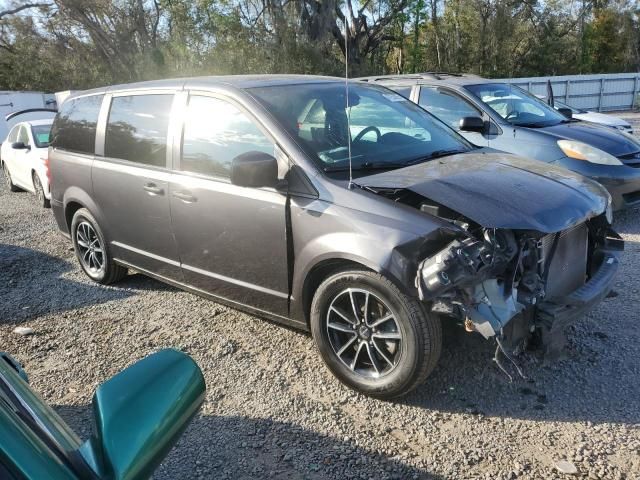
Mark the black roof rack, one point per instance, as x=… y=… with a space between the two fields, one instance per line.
x=418 y=76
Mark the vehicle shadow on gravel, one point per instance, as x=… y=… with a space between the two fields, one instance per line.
x=32 y=284
x=579 y=386
x=231 y=447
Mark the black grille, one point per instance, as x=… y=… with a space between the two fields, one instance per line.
x=631 y=160
x=632 y=197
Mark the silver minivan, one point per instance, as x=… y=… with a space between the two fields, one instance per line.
x=358 y=217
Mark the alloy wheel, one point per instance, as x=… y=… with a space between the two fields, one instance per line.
x=364 y=333
x=91 y=251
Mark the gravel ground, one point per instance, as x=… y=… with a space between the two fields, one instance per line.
x=272 y=409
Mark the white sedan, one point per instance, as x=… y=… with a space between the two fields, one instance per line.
x=596 y=117
x=593 y=117
x=24 y=158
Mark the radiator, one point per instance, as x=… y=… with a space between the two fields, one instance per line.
x=568 y=267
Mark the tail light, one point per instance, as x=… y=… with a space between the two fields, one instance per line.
x=45 y=161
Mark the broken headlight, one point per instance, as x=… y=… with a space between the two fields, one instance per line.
x=463 y=263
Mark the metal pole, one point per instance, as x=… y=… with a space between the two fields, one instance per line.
x=634 y=100
x=566 y=91
x=600 y=96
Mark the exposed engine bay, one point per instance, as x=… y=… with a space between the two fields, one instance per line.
x=504 y=283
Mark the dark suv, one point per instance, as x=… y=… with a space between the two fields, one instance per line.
x=238 y=189
x=505 y=117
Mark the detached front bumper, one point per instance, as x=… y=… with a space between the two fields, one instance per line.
x=553 y=315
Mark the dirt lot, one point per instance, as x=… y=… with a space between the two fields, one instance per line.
x=273 y=410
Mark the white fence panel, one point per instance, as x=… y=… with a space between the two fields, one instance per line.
x=607 y=92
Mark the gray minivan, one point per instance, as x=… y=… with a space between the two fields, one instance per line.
x=367 y=225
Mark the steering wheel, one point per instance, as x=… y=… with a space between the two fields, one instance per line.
x=365 y=131
x=512 y=114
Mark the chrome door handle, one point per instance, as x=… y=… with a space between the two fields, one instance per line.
x=185 y=197
x=153 y=188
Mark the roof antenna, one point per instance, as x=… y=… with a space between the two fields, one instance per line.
x=348 y=107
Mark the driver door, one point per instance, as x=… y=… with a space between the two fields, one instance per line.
x=231 y=239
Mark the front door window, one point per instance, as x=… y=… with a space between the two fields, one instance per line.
x=446 y=105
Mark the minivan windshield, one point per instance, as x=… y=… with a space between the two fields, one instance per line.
x=516 y=106
x=386 y=130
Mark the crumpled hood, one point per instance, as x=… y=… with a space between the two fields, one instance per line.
x=607 y=139
x=498 y=190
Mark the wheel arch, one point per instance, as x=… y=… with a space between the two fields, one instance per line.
x=328 y=266
x=75 y=199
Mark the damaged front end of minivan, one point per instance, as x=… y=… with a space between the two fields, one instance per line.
x=518 y=269
x=510 y=283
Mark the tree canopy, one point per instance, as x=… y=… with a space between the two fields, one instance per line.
x=75 y=44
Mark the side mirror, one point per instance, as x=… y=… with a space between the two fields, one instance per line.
x=141 y=412
x=19 y=146
x=472 y=124
x=567 y=112
x=254 y=169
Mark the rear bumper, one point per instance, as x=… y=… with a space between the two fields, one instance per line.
x=57 y=208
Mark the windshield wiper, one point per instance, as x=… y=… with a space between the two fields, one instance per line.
x=531 y=125
x=445 y=153
x=368 y=166
x=365 y=167
x=435 y=154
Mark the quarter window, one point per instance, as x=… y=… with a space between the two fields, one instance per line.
x=137 y=129
x=74 y=128
x=447 y=106
x=215 y=132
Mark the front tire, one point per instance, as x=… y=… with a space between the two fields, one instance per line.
x=43 y=201
x=92 y=250
x=7 y=179
x=373 y=338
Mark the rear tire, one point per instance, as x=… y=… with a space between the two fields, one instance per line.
x=39 y=190
x=373 y=338
x=7 y=179
x=92 y=250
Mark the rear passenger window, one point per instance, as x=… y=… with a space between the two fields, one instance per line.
x=215 y=132
x=74 y=128
x=137 y=129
